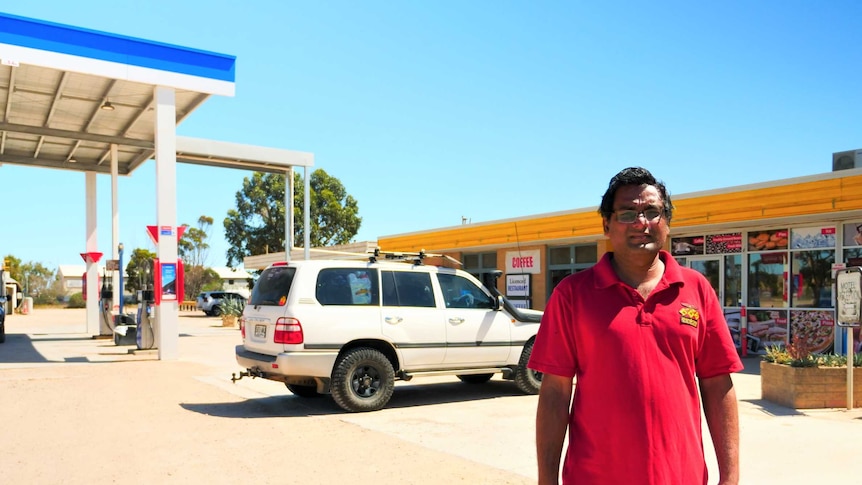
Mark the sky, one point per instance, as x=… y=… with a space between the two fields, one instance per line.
x=431 y=113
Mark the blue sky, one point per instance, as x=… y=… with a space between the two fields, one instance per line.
x=433 y=111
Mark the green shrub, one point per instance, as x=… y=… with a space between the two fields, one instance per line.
x=76 y=301
x=781 y=355
x=232 y=307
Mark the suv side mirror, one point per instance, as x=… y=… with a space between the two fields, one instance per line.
x=498 y=303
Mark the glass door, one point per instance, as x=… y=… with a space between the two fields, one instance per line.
x=711 y=267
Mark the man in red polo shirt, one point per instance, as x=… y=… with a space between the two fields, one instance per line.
x=641 y=334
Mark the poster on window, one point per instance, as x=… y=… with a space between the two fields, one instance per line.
x=767 y=240
x=724 y=243
x=682 y=246
x=768 y=327
x=814 y=328
x=734 y=322
x=812 y=237
x=853 y=234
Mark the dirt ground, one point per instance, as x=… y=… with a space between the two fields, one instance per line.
x=77 y=410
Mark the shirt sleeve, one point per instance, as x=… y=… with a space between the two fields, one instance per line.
x=554 y=351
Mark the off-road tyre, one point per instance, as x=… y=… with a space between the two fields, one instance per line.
x=303 y=391
x=475 y=378
x=363 y=380
x=527 y=380
x=216 y=311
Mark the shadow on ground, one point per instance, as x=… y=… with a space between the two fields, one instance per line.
x=290 y=405
x=773 y=409
x=19 y=348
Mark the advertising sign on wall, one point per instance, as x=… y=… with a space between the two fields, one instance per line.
x=517 y=285
x=521 y=304
x=523 y=261
x=169 y=281
x=812 y=237
x=730 y=242
x=853 y=234
x=767 y=240
x=682 y=246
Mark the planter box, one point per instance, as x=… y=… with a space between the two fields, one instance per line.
x=228 y=320
x=808 y=387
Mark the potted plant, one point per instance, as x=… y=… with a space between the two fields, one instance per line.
x=231 y=309
x=793 y=376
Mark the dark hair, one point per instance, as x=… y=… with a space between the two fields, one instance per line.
x=634 y=176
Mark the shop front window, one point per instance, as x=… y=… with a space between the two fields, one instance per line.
x=767 y=275
x=482 y=266
x=853 y=257
x=733 y=280
x=811 y=279
x=565 y=260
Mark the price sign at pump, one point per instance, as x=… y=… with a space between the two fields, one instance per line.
x=848 y=284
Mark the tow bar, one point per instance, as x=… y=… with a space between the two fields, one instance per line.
x=250 y=373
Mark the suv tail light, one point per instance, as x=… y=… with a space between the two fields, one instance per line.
x=288 y=331
x=242 y=327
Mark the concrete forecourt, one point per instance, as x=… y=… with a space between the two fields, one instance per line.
x=83 y=410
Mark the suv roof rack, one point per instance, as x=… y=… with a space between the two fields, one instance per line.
x=406 y=256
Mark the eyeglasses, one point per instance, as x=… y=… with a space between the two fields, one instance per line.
x=630 y=216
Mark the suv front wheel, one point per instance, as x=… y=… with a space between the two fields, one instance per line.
x=363 y=380
x=527 y=380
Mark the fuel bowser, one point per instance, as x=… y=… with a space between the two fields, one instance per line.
x=168 y=285
x=146 y=336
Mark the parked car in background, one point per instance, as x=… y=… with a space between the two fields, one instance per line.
x=211 y=302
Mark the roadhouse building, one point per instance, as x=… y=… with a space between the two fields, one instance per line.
x=770 y=250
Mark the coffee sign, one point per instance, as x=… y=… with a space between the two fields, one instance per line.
x=523 y=262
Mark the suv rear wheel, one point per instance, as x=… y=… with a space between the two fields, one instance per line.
x=363 y=380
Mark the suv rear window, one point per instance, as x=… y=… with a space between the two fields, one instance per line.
x=273 y=286
x=347 y=286
x=403 y=288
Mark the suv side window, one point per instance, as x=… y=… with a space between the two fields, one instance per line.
x=459 y=292
x=403 y=288
x=273 y=286
x=347 y=286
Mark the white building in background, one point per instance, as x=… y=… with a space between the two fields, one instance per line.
x=233 y=279
x=71 y=277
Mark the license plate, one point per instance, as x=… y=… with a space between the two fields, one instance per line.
x=260 y=331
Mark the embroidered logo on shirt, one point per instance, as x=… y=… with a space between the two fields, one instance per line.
x=689 y=315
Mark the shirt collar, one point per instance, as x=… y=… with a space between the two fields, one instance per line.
x=606 y=276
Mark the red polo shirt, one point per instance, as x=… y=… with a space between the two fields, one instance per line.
x=635 y=415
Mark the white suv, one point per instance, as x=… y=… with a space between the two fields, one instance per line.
x=352 y=328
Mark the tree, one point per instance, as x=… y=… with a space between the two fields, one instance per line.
x=37 y=278
x=256 y=226
x=12 y=265
x=139 y=270
x=334 y=215
x=193 y=249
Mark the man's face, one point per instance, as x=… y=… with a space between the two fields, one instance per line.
x=647 y=233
